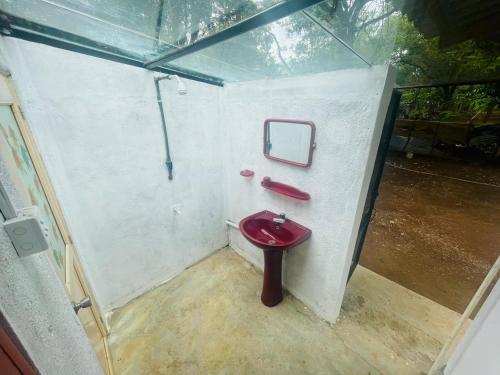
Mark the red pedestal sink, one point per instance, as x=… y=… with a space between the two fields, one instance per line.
x=262 y=230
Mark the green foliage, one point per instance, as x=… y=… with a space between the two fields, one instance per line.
x=475 y=99
x=421 y=104
x=420 y=60
x=465 y=103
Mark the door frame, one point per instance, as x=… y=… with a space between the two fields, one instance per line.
x=14 y=350
x=71 y=259
x=378 y=169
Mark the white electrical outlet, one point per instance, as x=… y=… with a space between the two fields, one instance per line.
x=27 y=231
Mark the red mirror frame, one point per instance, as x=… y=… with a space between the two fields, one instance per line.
x=300 y=122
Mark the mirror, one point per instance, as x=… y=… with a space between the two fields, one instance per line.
x=289 y=141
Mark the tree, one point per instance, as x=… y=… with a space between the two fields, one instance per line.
x=350 y=18
x=368 y=26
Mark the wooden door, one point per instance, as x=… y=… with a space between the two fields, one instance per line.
x=13 y=357
x=87 y=317
x=19 y=153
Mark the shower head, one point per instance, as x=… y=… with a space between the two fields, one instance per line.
x=181 y=88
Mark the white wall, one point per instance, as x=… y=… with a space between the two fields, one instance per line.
x=98 y=128
x=348 y=108
x=35 y=304
x=478 y=351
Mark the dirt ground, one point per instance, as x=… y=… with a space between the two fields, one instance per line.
x=435 y=235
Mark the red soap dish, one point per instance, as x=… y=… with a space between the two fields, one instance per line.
x=284 y=189
x=246 y=173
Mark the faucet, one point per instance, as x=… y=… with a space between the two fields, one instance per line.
x=281 y=219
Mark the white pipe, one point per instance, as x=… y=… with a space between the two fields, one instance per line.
x=232 y=224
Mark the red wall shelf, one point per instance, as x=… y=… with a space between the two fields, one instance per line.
x=284 y=189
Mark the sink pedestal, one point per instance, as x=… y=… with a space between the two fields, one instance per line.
x=272 y=292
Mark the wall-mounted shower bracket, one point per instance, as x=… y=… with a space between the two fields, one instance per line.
x=181 y=90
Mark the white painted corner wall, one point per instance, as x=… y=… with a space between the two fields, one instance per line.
x=348 y=108
x=477 y=352
x=98 y=128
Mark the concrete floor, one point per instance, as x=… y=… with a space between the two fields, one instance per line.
x=209 y=320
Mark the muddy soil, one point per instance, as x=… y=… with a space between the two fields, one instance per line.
x=435 y=235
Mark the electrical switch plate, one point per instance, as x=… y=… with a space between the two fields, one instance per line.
x=27 y=232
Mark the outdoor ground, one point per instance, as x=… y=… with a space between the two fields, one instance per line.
x=436 y=228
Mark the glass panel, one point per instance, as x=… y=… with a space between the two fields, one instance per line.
x=184 y=22
x=291 y=46
x=129 y=25
x=369 y=27
x=288 y=47
x=141 y=28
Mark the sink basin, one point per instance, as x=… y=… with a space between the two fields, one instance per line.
x=260 y=230
x=273 y=238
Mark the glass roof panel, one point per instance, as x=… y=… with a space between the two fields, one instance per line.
x=371 y=33
x=143 y=28
x=326 y=36
x=184 y=22
x=128 y=25
x=291 y=46
x=141 y=31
